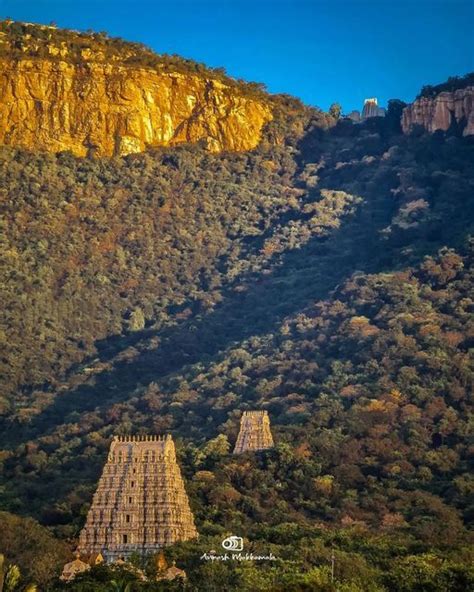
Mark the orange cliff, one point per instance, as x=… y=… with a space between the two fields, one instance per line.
x=49 y=101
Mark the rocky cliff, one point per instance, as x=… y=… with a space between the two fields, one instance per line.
x=441 y=111
x=53 y=98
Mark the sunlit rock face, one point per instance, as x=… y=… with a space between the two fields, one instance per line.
x=112 y=108
x=440 y=112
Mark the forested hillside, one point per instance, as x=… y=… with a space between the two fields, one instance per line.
x=325 y=276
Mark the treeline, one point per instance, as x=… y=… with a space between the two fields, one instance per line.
x=453 y=83
x=19 y=40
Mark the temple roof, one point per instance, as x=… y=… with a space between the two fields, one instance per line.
x=73 y=568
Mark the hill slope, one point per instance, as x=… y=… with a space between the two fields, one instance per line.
x=325 y=276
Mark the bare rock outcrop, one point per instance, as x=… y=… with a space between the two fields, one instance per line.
x=441 y=111
x=53 y=98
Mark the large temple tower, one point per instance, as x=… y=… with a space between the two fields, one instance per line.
x=254 y=432
x=140 y=504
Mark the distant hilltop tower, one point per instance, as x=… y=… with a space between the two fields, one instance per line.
x=372 y=109
x=140 y=504
x=254 y=432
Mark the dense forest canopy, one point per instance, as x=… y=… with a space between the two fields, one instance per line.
x=325 y=276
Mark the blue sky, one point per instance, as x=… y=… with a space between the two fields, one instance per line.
x=319 y=50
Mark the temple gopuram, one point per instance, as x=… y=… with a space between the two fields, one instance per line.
x=140 y=504
x=254 y=432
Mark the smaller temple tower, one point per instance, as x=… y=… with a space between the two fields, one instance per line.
x=254 y=432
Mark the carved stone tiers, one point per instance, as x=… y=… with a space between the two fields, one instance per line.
x=140 y=504
x=254 y=432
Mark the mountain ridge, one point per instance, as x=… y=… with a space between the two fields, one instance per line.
x=63 y=91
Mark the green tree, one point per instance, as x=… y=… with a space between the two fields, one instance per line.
x=120 y=586
x=335 y=110
x=217 y=447
x=10 y=578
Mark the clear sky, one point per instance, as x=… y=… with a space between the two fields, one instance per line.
x=319 y=50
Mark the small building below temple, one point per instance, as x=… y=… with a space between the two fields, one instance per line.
x=165 y=572
x=74 y=568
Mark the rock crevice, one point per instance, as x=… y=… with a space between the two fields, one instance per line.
x=114 y=110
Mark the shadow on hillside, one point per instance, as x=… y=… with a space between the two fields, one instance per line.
x=305 y=275
x=254 y=306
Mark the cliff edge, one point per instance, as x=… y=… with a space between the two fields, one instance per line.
x=64 y=90
x=442 y=111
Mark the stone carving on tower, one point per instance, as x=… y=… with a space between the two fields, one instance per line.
x=254 y=432
x=140 y=504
